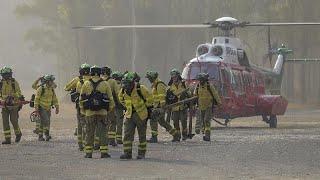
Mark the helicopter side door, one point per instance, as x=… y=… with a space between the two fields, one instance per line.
x=250 y=96
x=238 y=93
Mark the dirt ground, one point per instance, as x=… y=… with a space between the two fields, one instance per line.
x=247 y=149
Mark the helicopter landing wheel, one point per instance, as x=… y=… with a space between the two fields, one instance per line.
x=273 y=121
x=226 y=122
x=265 y=119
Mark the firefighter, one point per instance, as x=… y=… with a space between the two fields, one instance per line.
x=10 y=94
x=106 y=75
x=178 y=91
x=81 y=134
x=36 y=84
x=119 y=107
x=45 y=99
x=96 y=99
x=71 y=87
x=158 y=89
x=138 y=103
x=207 y=98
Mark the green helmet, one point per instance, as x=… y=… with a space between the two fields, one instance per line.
x=95 y=71
x=84 y=66
x=203 y=77
x=151 y=75
x=129 y=77
x=48 y=77
x=6 y=70
x=106 y=70
x=84 y=69
x=117 y=75
x=175 y=72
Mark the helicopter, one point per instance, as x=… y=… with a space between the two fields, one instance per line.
x=245 y=89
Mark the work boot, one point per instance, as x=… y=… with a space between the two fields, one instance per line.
x=113 y=143
x=41 y=138
x=105 y=155
x=47 y=138
x=141 y=156
x=18 y=138
x=176 y=138
x=119 y=142
x=206 y=138
x=197 y=131
x=184 y=138
x=96 y=147
x=76 y=132
x=7 y=141
x=88 y=155
x=153 y=139
x=126 y=156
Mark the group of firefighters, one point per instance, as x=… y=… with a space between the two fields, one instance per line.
x=106 y=101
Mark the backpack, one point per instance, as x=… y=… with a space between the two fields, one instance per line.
x=96 y=100
x=214 y=101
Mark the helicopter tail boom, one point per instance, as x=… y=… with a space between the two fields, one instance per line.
x=278 y=67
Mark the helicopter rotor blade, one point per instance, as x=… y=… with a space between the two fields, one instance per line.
x=269 y=46
x=282 y=24
x=186 y=26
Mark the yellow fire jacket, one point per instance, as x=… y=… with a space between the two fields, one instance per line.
x=72 y=84
x=134 y=102
x=46 y=98
x=205 y=99
x=177 y=90
x=158 y=93
x=78 y=90
x=115 y=87
x=10 y=87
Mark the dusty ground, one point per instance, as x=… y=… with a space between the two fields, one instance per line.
x=247 y=149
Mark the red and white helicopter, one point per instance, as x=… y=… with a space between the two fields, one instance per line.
x=246 y=90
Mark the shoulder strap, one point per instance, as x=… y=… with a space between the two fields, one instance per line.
x=140 y=93
x=159 y=82
x=1 y=84
x=95 y=84
x=42 y=90
x=13 y=84
x=211 y=94
x=197 y=89
x=209 y=89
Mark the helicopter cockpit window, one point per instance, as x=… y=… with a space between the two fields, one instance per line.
x=242 y=58
x=202 y=50
x=237 y=84
x=226 y=79
x=211 y=69
x=217 y=50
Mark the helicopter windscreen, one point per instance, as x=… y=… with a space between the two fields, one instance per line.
x=194 y=69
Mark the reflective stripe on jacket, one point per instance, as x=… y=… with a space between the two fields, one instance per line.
x=134 y=101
